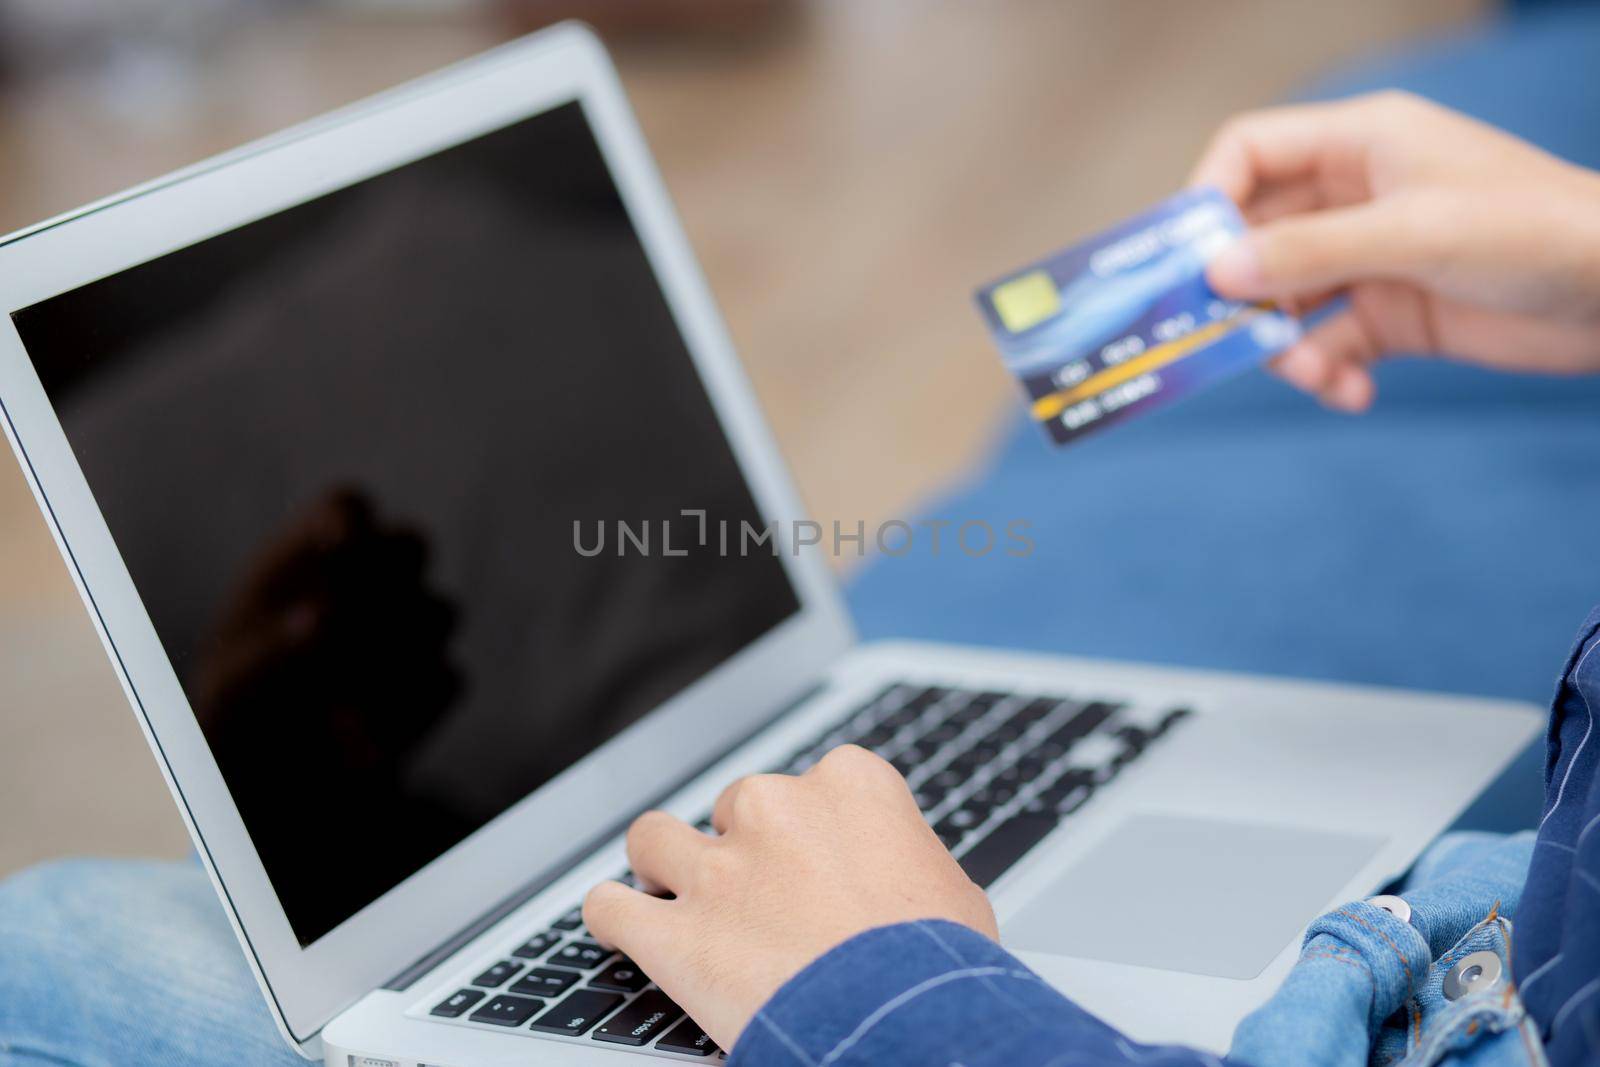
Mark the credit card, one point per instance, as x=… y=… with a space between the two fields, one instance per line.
x=1125 y=322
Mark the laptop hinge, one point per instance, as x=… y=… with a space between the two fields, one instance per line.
x=403 y=980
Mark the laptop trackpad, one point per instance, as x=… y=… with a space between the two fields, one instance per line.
x=1195 y=895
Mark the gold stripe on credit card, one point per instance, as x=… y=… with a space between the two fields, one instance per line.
x=1053 y=404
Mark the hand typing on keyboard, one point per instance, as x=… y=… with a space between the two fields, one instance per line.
x=801 y=864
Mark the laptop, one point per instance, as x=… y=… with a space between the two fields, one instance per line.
x=422 y=506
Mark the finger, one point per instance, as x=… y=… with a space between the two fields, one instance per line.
x=1281 y=199
x=1303 y=304
x=626 y=919
x=1261 y=146
x=1331 y=362
x=664 y=850
x=859 y=767
x=1325 y=250
x=1352 y=391
x=860 y=778
x=723 y=811
x=1282 y=144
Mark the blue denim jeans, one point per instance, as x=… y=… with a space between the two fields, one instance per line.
x=126 y=964
x=1371 y=987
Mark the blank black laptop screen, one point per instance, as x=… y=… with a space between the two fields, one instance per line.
x=343 y=451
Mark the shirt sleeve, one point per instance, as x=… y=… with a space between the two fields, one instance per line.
x=933 y=993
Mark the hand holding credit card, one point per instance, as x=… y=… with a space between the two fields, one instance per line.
x=1125 y=322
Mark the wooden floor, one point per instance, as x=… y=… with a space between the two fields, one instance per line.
x=846 y=181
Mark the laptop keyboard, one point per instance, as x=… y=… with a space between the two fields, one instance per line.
x=993 y=772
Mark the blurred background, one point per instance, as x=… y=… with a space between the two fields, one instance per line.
x=847 y=170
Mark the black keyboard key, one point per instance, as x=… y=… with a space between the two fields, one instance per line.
x=1034 y=711
x=995 y=794
x=643 y=1020
x=877 y=737
x=498 y=975
x=458 y=1002
x=957 y=823
x=1005 y=844
x=1048 y=751
x=927 y=698
x=570 y=921
x=506 y=1010
x=537 y=945
x=584 y=955
x=1011 y=775
x=1071 y=779
x=1171 y=719
x=1060 y=802
x=1027 y=768
x=966 y=716
x=929 y=797
x=623 y=976
x=687 y=1039
x=949 y=838
x=1010 y=731
x=546 y=982
x=575 y=1015
x=1005 y=734
x=1062 y=739
x=958 y=770
x=899 y=720
x=1064 y=796
x=942 y=734
x=976 y=808
x=1073 y=801
x=1084 y=723
x=1134 y=737
x=980 y=755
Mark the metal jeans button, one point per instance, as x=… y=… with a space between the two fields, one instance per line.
x=1393 y=905
x=1472 y=974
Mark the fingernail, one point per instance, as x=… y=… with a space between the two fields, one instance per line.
x=1236 y=270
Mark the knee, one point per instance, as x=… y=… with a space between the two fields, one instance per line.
x=102 y=956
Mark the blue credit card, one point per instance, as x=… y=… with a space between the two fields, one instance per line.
x=1125 y=322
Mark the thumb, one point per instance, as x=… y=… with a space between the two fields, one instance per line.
x=1316 y=252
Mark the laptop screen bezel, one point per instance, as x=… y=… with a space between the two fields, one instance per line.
x=307 y=986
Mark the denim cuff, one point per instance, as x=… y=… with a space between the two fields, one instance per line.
x=918 y=992
x=1396 y=954
x=1358 y=964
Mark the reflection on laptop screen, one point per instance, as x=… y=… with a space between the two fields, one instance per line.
x=342 y=451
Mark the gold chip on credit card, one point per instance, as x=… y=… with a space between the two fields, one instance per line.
x=1026 y=301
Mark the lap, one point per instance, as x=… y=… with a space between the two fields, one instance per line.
x=128 y=964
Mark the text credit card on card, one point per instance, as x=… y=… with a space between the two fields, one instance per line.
x=1125 y=322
